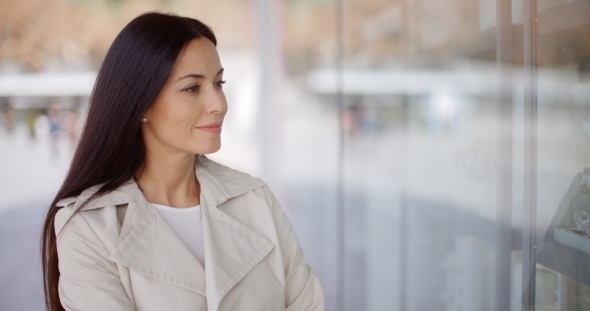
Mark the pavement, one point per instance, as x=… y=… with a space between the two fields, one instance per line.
x=21 y=286
x=30 y=173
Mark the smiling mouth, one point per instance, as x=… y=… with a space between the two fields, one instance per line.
x=211 y=128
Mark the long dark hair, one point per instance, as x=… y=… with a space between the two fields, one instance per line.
x=111 y=147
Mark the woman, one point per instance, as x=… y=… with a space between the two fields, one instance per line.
x=143 y=221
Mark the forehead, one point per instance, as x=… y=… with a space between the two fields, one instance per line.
x=199 y=56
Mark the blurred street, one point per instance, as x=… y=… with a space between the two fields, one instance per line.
x=30 y=173
x=31 y=170
x=20 y=267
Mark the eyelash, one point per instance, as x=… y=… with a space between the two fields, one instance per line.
x=221 y=83
x=191 y=88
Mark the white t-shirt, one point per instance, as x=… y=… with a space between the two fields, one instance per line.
x=188 y=225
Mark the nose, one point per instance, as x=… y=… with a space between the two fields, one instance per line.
x=216 y=102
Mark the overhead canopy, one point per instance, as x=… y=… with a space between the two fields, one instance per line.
x=47 y=84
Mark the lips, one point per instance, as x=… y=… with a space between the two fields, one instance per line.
x=211 y=128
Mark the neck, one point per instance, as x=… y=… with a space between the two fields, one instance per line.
x=169 y=179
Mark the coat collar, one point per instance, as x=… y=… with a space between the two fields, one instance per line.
x=149 y=246
x=218 y=183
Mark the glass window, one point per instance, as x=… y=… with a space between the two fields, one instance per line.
x=563 y=155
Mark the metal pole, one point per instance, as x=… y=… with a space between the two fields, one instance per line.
x=341 y=219
x=504 y=154
x=403 y=227
x=268 y=26
x=530 y=156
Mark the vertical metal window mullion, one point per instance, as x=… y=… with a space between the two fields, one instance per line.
x=504 y=62
x=530 y=156
x=340 y=210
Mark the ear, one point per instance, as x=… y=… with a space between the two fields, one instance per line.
x=149 y=112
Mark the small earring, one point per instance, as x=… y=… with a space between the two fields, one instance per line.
x=144 y=120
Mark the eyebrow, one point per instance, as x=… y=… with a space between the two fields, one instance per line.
x=197 y=76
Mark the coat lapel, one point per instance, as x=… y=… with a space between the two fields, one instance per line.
x=231 y=248
x=231 y=251
x=149 y=246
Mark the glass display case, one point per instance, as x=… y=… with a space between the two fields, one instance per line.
x=562 y=89
x=466 y=155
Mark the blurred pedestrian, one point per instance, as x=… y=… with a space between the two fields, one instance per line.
x=42 y=127
x=8 y=117
x=31 y=116
x=55 y=126
x=70 y=125
x=143 y=220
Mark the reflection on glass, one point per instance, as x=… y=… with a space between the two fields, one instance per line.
x=563 y=194
x=581 y=218
x=420 y=154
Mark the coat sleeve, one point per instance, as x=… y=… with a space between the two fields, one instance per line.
x=303 y=290
x=88 y=279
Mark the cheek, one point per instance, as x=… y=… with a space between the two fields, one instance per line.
x=173 y=124
x=178 y=111
x=174 y=120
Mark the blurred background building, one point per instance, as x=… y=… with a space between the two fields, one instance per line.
x=431 y=154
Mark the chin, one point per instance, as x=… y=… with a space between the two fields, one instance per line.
x=208 y=150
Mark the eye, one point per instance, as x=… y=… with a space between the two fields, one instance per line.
x=220 y=84
x=192 y=89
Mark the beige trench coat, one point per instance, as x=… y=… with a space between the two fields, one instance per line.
x=252 y=257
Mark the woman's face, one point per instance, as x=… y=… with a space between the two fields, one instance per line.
x=187 y=115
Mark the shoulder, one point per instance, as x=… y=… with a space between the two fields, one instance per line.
x=64 y=214
x=81 y=216
x=226 y=175
x=70 y=204
x=71 y=224
x=258 y=205
x=86 y=231
x=220 y=182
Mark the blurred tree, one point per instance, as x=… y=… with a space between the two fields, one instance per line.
x=75 y=34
